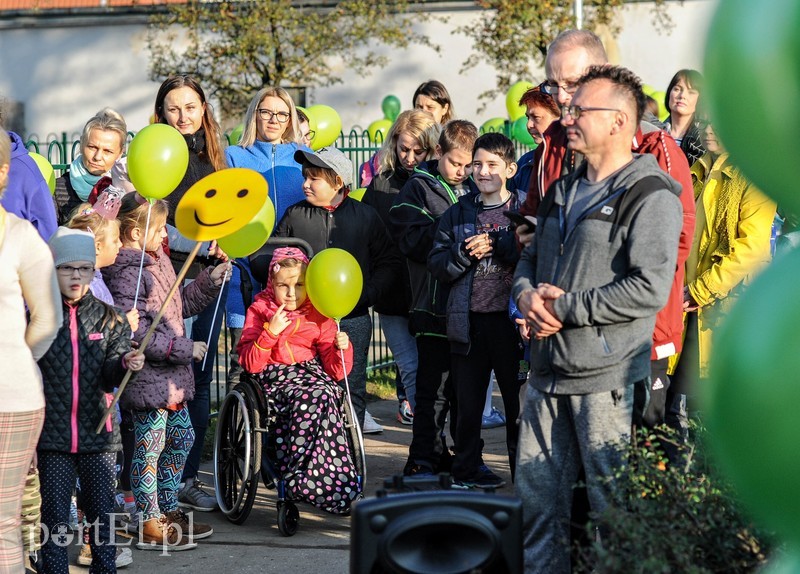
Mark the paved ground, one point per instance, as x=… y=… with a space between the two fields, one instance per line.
x=321 y=544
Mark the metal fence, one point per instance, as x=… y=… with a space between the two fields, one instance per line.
x=61 y=150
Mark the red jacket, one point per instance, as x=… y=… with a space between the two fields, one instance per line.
x=548 y=166
x=311 y=334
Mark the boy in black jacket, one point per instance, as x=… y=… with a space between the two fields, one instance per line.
x=431 y=190
x=475 y=252
x=329 y=218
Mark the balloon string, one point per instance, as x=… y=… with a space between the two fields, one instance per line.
x=214 y=318
x=344 y=364
x=141 y=261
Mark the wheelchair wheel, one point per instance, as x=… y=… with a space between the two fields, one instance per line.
x=237 y=453
x=288 y=517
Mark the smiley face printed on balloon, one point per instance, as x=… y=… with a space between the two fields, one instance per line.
x=220 y=203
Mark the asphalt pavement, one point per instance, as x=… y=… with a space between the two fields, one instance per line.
x=322 y=542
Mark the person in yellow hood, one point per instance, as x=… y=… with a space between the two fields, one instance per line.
x=731 y=244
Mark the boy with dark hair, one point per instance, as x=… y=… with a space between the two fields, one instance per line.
x=328 y=217
x=475 y=252
x=429 y=192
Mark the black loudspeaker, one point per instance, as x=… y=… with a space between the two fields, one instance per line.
x=437 y=532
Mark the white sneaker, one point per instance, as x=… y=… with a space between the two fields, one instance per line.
x=370 y=426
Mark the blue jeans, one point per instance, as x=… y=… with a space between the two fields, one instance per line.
x=200 y=405
x=403 y=346
x=359 y=330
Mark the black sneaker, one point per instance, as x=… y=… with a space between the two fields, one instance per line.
x=484 y=478
x=418 y=470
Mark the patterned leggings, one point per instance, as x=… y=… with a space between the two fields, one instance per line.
x=163 y=441
x=96 y=472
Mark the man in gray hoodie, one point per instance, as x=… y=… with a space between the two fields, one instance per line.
x=590 y=283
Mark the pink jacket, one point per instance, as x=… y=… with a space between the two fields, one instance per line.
x=311 y=334
x=167 y=377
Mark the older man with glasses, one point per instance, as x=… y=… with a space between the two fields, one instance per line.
x=568 y=58
x=590 y=283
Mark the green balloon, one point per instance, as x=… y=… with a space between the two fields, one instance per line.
x=378 y=127
x=519 y=132
x=236 y=134
x=46 y=168
x=497 y=125
x=391 y=107
x=513 y=95
x=253 y=235
x=750 y=400
x=328 y=125
x=157 y=160
x=752 y=66
x=334 y=282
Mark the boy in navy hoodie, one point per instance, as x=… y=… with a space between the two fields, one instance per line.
x=475 y=253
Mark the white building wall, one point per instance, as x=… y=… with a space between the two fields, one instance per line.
x=64 y=75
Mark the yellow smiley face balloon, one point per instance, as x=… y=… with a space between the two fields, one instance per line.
x=220 y=203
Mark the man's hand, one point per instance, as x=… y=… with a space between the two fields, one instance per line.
x=537 y=309
x=524 y=330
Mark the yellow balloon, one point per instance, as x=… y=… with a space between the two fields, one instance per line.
x=334 y=282
x=157 y=160
x=381 y=127
x=44 y=166
x=221 y=203
x=516 y=111
x=358 y=194
x=329 y=125
x=253 y=235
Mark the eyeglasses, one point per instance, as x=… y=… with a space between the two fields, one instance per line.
x=282 y=117
x=310 y=135
x=552 y=88
x=69 y=270
x=577 y=111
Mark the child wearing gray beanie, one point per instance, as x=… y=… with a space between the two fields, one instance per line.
x=70 y=245
x=77 y=387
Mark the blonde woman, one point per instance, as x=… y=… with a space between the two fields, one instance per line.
x=407 y=144
x=270 y=137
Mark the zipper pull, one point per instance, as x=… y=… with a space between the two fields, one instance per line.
x=561 y=249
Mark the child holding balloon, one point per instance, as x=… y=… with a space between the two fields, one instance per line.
x=329 y=218
x=157 y=395
x=298 y=354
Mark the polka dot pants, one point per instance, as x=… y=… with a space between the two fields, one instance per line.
x=57 y=473
x=313 y=454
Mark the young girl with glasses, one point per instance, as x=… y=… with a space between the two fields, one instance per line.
x=88 y=359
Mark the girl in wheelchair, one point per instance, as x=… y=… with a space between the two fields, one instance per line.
x=295 y=353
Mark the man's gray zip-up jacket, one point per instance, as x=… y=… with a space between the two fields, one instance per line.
x=616 y=267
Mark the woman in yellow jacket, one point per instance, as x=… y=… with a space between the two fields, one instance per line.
x=731 y=244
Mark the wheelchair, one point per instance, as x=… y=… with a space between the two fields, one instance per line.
x=244 y=453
